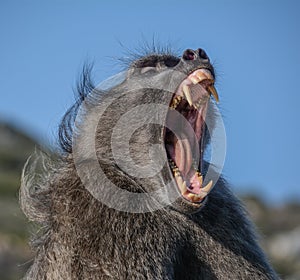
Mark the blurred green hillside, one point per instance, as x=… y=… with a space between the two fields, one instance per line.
x=279 y=225
x=15 y=147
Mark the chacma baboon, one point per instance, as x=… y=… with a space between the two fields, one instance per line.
x=129 y=195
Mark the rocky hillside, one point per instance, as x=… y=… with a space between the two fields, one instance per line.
x=278 y=225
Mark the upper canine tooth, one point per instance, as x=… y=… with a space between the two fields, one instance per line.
x=214 y=93
x=194 y=79
x=187 y=93
x=201 y=76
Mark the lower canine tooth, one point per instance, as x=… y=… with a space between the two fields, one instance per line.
x=208 y=187
x=187 y=94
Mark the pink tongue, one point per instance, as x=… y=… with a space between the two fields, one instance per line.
x=183 y=159
x=183 y=156
x=194 y=184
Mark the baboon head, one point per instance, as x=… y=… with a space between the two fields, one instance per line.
x=138 y=146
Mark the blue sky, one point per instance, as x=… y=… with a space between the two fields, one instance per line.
x=255 y=46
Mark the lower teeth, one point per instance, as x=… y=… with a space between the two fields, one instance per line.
x=183 y=186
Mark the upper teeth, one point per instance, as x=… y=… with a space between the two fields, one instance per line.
x=175 y=101
x=185 y=93
x=200 y=75
x=194 y=79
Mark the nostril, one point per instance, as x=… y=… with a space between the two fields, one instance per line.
x=188 y=55
x=202 y=54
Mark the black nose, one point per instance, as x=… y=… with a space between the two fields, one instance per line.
x=197 y=54
x=202 y=54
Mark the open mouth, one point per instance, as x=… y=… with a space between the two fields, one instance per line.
x=185 y=143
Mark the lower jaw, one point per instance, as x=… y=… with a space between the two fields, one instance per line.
x=191 y=186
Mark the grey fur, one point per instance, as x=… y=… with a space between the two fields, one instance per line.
x=81 y=238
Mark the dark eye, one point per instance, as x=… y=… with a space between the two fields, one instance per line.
x=171 y=62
